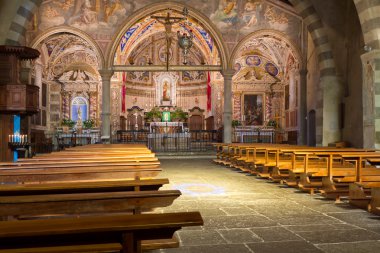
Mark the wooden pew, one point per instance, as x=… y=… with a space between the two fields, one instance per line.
x=85 y=203
x=336 y=184
x=82 y=187
x=87 y=158
x=80 y=173
x=82 y=162
x=301 y=165
x=92 y=233
x=374 y=204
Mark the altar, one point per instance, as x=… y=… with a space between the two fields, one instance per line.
x=166 y=127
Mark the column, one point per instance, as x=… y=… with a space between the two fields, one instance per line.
x=227 y=112
x=106 y=97
x=332 y=95
x=302 y=137
x=371 y=99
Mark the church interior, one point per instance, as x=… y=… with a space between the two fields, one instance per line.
x=253 y=125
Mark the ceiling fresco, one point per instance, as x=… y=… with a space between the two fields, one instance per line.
x=265 y=59
x=64 y=53
x=140 y=32
x=101 y=19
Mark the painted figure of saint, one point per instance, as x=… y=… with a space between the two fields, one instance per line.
x=165 y=91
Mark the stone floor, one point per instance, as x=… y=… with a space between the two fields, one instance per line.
x=245 y=214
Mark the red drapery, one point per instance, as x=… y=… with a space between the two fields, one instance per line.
x=208 y=92
x=123 y=89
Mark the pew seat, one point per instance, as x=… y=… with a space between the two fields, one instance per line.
x=126 y=230
x=85 y=203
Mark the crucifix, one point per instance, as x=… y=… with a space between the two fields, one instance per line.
x=168 y=21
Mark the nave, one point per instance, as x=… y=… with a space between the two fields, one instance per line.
x=244 y=214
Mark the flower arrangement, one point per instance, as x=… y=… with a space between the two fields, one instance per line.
x=272 y=123
x=179 y=115
x=235 y=123
x=87 y=124
x=68 y=122
x=153 y=114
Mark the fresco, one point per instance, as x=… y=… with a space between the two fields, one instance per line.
x=234 y=18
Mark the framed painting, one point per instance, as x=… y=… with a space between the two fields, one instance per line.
x=253 y=109
x=165 y=117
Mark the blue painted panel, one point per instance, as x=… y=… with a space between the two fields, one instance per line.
x=79 y=111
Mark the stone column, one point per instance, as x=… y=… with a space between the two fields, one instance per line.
x=106 y=97
x=371 y=99
x=227 y=112
x=302 y=137
x=332 y=95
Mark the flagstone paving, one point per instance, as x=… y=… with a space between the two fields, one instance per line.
x=244 y=214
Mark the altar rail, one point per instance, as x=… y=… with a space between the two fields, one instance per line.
x=256 y=135
x=192 y=141
x=56 y=141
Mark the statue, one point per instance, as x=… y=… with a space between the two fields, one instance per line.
x=79 y=117
x=165 y=92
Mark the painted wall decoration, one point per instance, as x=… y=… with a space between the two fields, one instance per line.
x=253 y=60
x=253 y=110
x=234 y=18
x=271 y=69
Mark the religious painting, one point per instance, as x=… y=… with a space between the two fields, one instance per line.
x=253 y=60
x=237 y=67
x=251 y=13
x=271 y=69
x=79 y=109
x=166 y=88
x=166 y=91
x=165 y=117
x=226 y=15
x=253 y=110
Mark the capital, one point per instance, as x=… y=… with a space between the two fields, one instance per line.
x=106 y=74
x=228 y=73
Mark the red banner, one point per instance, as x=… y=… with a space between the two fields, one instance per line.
x=208 y=92
x=123 y=89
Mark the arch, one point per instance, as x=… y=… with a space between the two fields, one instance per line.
x=71 y=30
x=23 y=14
x=149 y=9
x=369 y=14
x=264 y=32
x=318 y=32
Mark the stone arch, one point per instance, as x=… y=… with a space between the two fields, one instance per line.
x=149 y=9
x=369 y=15
x=319 y=34
x=24 y=14
x=328 y=103
x=259 y=33
x=74 y=31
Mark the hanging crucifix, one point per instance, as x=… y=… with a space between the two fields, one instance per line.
x=168 y=21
